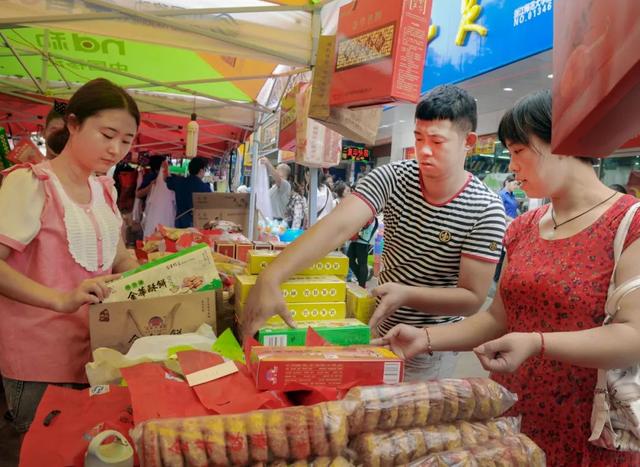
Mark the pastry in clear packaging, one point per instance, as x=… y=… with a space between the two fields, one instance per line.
x=298 y=434
x=436 y=403
x=276 y=434
x=236 y=440
x=451 y=402
x=257 y=436
x=389 y=409
x=317 y=431
x=213 y=432
x=192 y=444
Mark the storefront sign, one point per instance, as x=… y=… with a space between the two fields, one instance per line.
x=354 y=151
x=471 y=37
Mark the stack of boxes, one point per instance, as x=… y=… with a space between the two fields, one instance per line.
x=316 y=297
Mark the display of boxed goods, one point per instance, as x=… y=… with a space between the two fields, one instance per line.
x=401 y=446
x=189 y=270
x=287 y=367
x=278 y=246
x=427 y=403
x=257 y=245
x=307 y=312
x=338 y=332
x=516 y=450
x=242 y=249
x=219 y=210
x=226 y=247
x=117 y=325
x=384 y=42
x=321 y=289
x=335 y=264
x=360 y=303
x=295 y=434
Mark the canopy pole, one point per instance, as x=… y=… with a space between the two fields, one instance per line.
x=254 y=173
x=44 y=81
x=313 y=196
x=22 y=64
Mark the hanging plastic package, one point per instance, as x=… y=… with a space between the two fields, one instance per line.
x=263 y=201
x=161 y=207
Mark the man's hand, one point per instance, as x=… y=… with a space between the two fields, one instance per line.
x=392 y=296
x=264 y=301
x=404 y=340
x=89 y=291
x=507 y=353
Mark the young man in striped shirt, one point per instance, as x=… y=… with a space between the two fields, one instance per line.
x=443 y=233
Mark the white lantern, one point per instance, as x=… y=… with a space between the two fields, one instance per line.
x=191 y=150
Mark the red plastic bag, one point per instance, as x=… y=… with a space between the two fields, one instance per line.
x=64 y=441
x=157 y=392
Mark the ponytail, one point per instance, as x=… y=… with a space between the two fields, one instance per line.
x=58 y=140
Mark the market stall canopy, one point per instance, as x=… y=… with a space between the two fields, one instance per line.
x=172 y=55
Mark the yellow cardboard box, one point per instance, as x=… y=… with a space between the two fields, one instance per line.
x=335 y=263
x=319 y=289
x=308 y=312
x=360 y=303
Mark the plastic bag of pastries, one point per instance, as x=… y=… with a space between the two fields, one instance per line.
x=255 y=438
x=399 y=447
x=317 y=462
x=510 y=451
x=426 y=403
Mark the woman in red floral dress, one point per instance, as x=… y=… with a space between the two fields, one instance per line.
x=552 y=295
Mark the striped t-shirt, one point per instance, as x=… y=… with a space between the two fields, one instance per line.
x=424 y=242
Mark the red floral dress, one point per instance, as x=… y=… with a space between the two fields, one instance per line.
x=555 y=286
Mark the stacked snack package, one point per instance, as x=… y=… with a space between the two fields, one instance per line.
x=274 y=437
x=315 y=294
x=434 y=423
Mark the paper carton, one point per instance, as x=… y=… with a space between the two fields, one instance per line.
x=117 y=325
x=308 y=312
x=290 y=367
x=360 y=303
x=189 y=270
x=232 y=207
x=338 y=332
x=317 y=289
x=380 y=52
x=335 y=263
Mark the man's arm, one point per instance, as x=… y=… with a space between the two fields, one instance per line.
x=266 y=299
x=464 y=300
x=277 y=179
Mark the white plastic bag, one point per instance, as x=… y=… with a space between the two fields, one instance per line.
x=261 y=187
x=160 y=208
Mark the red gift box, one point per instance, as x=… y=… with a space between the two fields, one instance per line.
x=596 y=62
x=380 y=52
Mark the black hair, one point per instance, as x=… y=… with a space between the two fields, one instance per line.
x=509 y=179
x=96 y=95
x=52 y=115
x=155 y=163
x=197 y=164
x=531 y=115
x=339 y=187
x=619 y=188
x=449 y=102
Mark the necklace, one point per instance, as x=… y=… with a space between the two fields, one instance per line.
x=556 y=225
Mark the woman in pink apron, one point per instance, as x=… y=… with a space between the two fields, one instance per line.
x=59 y=243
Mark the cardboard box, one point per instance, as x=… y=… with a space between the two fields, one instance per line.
x=339 y=332
x=262 y=246
x=226 y=247
x=233 y=207
x=189 y=270
x=308 y=312
x=288 y=367
x=360 y=303
x=277 y=246
x=335 y=263
x=117 y=325
x=320 y=289
x=242 y=250
x=380 y=52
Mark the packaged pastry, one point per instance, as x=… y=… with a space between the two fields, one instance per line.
x=299 y=289
x=335 y=263
x=266 y=437
x=511 y=451
x=399 y=447
x=427 y=403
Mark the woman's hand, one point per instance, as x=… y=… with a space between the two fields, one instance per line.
x=404 y=340
x=507 y=353
x=89 y=291
x=392 y=296
x=264 y=301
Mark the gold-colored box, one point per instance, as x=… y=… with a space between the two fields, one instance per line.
x=335 y=263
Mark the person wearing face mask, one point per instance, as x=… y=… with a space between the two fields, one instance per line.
x=443 y=230
x=543 y=337
x=185 y=187
x=60 y=243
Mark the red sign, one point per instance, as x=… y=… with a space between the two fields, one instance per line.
x=409 y=153
x=596 y=62
x=380 y=52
